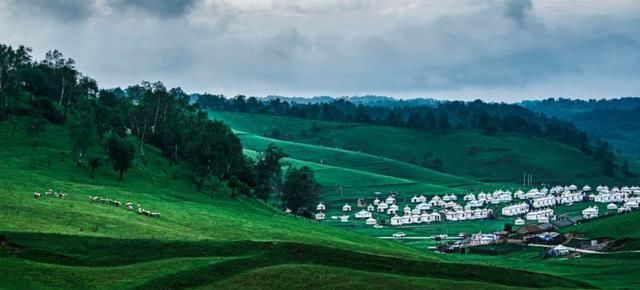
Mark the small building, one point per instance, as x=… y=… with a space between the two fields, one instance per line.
x=612 y=206
x=407 y=210
x=346 y=207
x=344 y=218
x=363 y=214
x=321 y=206
x=370 y=221
x=558 y=250
x=519 y=222
x=590 y=212
x=320 y=216
x=396 y=221
x=390 y=200
x=370 y=207
x=376 y=201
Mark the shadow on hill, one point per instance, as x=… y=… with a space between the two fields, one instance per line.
x=102 y=252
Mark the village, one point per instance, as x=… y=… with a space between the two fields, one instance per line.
x=530 y=218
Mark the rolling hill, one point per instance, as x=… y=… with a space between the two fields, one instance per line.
x=201 y=240
x=469 y=156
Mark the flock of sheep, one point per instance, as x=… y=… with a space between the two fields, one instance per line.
x=128 y=205
x=48 y=193
x=96 y=199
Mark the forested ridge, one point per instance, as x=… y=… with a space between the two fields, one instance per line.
x=39 y=94
x=490 y=118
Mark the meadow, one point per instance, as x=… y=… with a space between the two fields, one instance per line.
x=201 y=240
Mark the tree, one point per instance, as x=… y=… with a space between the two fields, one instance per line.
x=94 y=163
x=212 y=151
x=82 y=131
x=300 y=190
x=268 y=171
x=121 y=153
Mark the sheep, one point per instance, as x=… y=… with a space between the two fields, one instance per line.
x=37 y=195
x=117 y=203
x=155 y=214
x=129 y=207
x=49 y=192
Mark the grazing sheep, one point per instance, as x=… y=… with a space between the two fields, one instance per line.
x=37 y=195
x=117 y=203
x=140 y=210
x=49 y=192
x=129 y=207
x=155 y=214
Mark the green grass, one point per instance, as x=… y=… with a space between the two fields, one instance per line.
x=200 y=240
x=618 y=226
x=467 y=154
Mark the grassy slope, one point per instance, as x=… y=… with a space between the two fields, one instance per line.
x=468 y=153
x=618 y=226
x=72 y=243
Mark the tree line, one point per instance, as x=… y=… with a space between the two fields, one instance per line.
x=489 y=118
x=124 y=122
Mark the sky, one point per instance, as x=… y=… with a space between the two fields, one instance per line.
x=496 y=50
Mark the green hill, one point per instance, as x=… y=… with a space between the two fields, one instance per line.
x=200 y=240
x=467 y=154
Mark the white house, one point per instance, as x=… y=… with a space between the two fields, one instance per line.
x=631 y=204
x=535 y=215
x=382 y=207
x=421 y=198
x=393 y=209
x=516 y=209
x=406 y=210
x=363 y=214
x=320 y=216
x=414 y=199
x=475 y=203
x=370 y=221
x=346 y=207
x=570 y=198
x=519 y=222
x=344 y=218
x=390 y=200
x=321 y=206
x=370 y=208
x=469 y=197
x=423 y=206
x=559 y=250
x=406 y=219
x=545 y=201
x=590 y=212
x=396 y=221
x=586 y=188
x=612 y=206
x=376 y=201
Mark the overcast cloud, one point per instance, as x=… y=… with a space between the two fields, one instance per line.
x=465 y=49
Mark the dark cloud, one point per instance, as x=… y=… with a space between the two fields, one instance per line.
x=65 y=11
x=518 y=10
x=158 y=8
x=341 y=47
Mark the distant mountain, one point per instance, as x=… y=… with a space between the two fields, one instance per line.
x=614 y=120
x=368 y=100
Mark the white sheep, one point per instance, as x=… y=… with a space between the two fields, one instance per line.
x=117 y=203
x=155 y=214
x=37 y=195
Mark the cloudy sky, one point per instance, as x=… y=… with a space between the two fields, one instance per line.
x=502 y=50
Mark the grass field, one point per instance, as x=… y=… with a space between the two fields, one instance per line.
x=202 y=239
x=467 y=154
